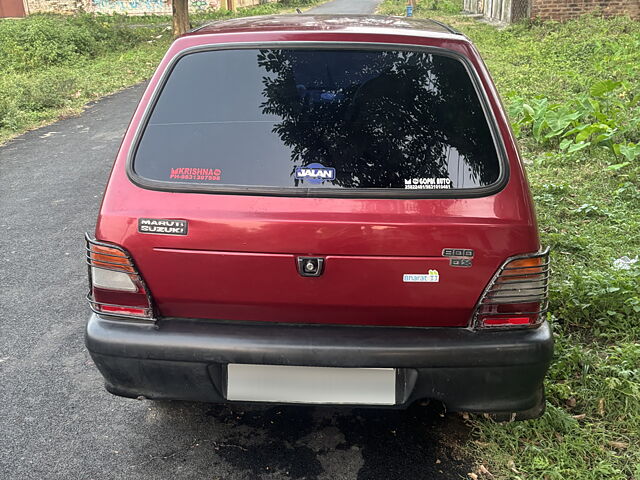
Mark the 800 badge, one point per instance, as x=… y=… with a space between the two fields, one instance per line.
x=459 y=257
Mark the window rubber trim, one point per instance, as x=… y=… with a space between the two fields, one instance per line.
x=358 y=193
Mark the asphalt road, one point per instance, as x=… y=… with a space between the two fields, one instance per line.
x=57 y=421
x=347 y=6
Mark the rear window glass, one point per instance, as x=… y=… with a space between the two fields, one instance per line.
x=330 y=119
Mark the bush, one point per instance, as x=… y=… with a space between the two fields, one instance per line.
x=606 y=301
x=606 y=116
x=41 y=41
x=47 y=91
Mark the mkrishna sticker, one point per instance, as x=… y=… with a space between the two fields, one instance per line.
x=440 y=183
x=431 y=277
x=315 y=173
x=195 y=174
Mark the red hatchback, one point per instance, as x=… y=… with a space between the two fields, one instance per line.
x=325 y=210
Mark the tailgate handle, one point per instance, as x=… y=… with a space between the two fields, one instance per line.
x=310 y=266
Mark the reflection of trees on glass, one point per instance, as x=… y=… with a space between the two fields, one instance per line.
x=377 y=117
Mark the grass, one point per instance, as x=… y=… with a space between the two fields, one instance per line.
x=588 y=203
x=52 y=65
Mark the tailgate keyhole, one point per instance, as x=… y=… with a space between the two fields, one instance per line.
x=310 y=266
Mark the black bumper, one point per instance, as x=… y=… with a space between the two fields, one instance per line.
x=497 y=372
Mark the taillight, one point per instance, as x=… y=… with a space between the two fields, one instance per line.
x=116 y=287
x=517 y=295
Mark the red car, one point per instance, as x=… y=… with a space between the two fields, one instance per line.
x=321 y=209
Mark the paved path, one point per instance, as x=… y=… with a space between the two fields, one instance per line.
x=56 y=420
x=347 y=6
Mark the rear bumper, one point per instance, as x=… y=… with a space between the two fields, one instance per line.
x=498 y=372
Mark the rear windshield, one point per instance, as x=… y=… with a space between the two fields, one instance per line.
x=318 y=118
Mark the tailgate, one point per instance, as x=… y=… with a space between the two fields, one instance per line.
x=372 y=290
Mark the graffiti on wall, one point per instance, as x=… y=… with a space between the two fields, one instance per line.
x=202 y=5
x=130 y=6
x=148 y=6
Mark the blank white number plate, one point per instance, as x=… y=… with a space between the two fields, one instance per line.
x=286 y=384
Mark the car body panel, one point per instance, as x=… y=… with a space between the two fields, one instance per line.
x=226 y=288
x=238 y=260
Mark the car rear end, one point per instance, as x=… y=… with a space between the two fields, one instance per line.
x=321 y=212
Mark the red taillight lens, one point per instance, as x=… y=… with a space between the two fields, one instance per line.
x=507 y=321
x=517 y=294
x=116 y=286
x=138 y=312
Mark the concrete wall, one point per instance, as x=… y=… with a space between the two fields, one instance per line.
x=130 y=7
x=33 y=6
x=502 y=11
x=507 y=11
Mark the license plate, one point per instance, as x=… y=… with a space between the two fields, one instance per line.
x=291 y=384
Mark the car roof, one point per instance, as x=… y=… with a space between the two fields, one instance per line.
x=331 y=23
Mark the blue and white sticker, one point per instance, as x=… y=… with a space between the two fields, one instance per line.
x=431 y=277
x=315 y=173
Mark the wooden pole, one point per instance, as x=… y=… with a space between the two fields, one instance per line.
x=180 y=17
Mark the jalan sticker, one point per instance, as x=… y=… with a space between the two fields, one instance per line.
x=315 y=173
x=431 y=277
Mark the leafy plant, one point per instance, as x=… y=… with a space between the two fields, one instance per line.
x=605 y=117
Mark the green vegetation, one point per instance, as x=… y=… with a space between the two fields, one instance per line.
x=52 y=65
x=571 y=90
